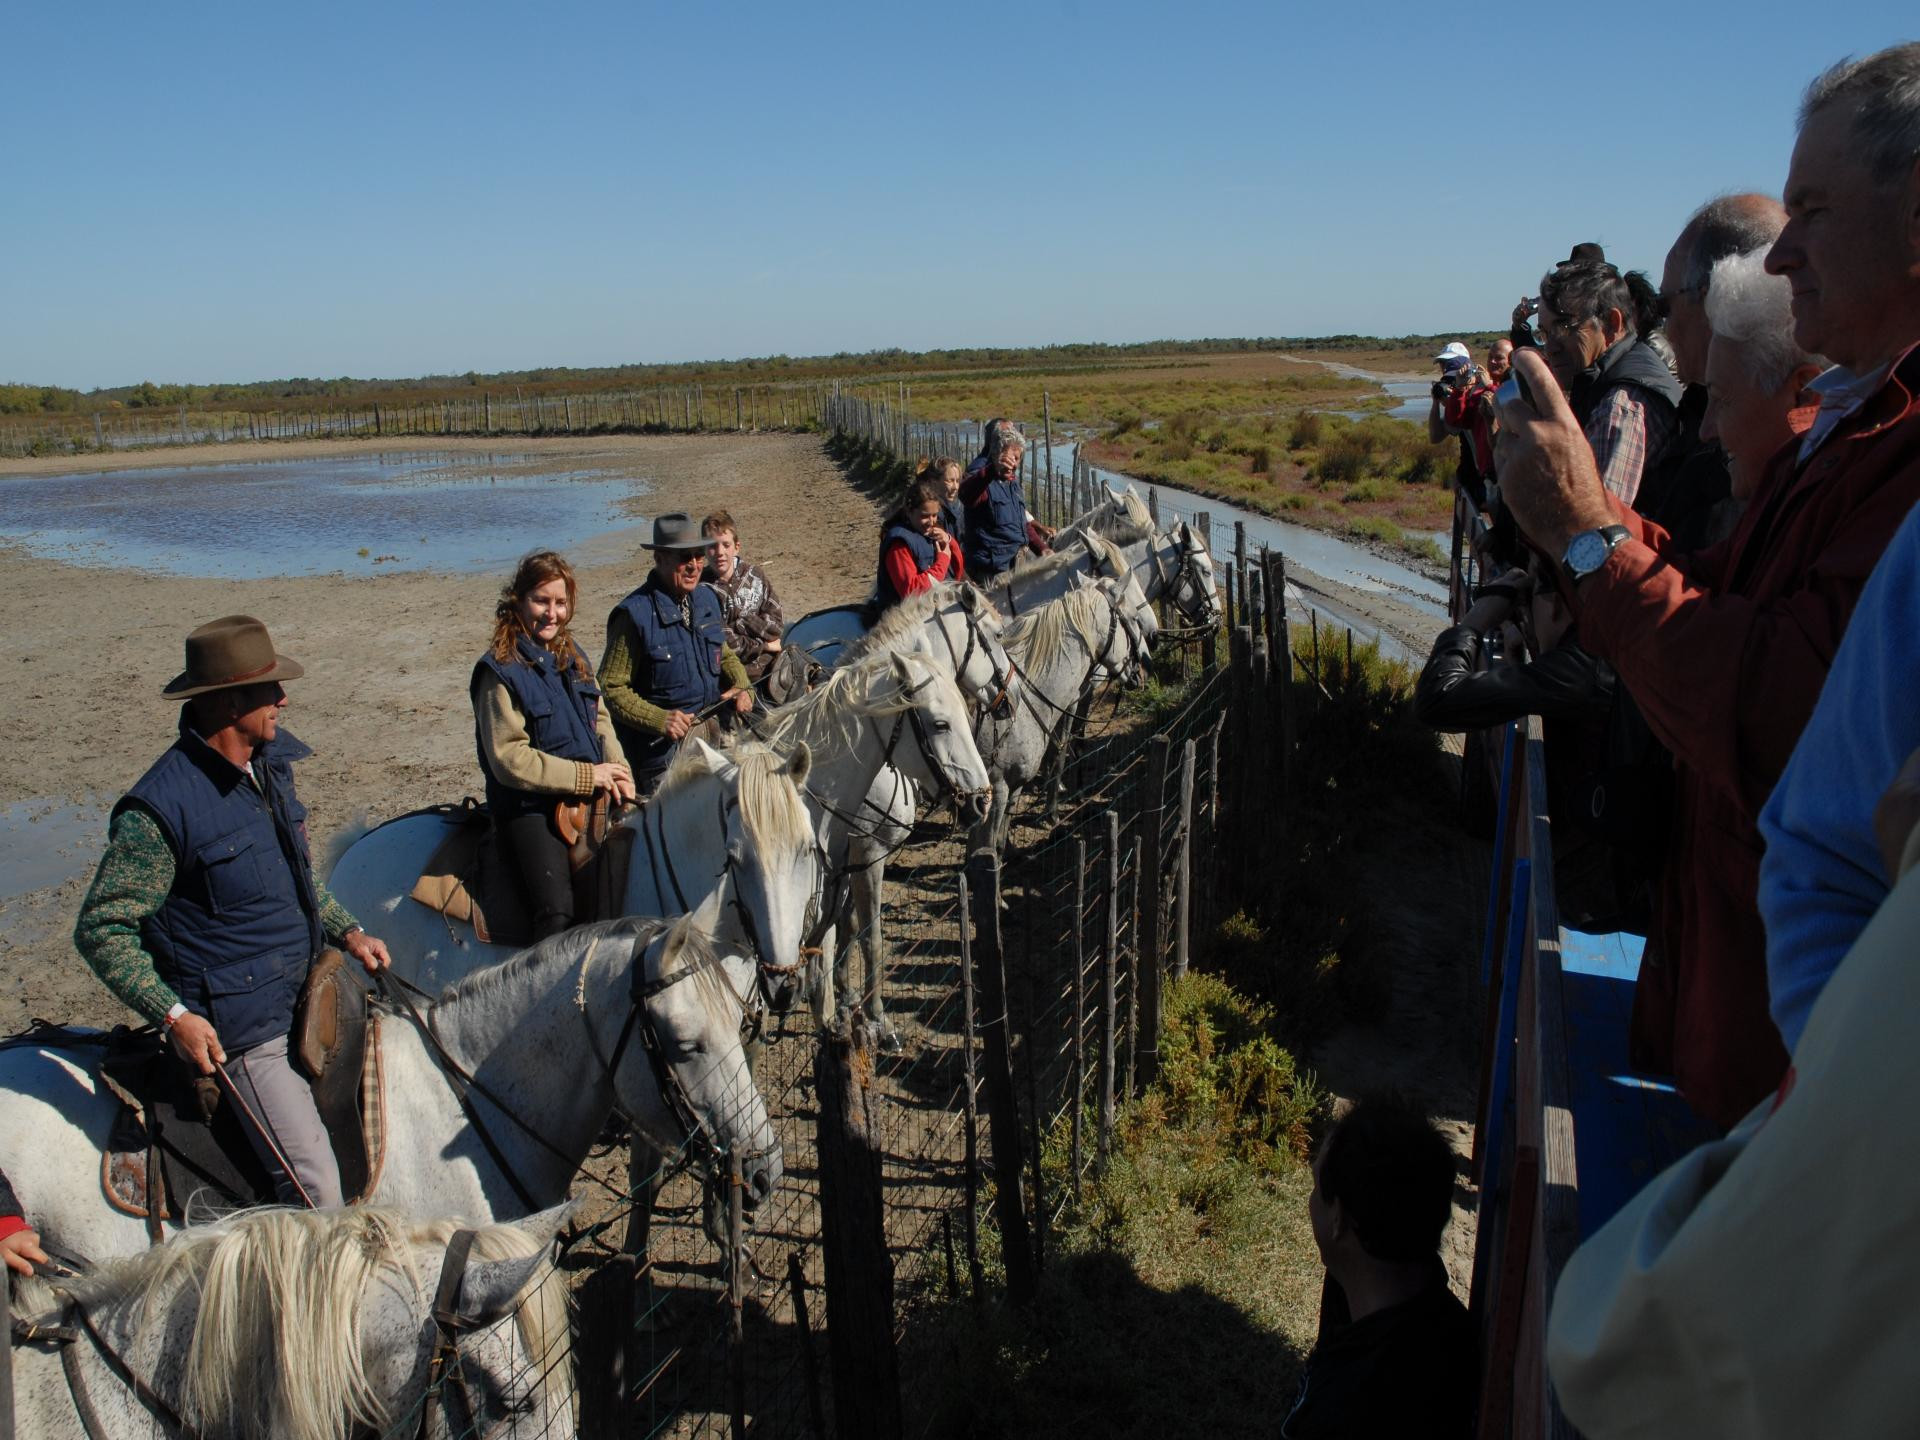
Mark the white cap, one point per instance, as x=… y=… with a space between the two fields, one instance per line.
x=1454 y=352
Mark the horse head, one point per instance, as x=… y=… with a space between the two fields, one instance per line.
x=943 y=760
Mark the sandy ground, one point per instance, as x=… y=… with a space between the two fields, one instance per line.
x=383 y=703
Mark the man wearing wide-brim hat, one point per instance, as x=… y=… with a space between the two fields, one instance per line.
x=205 y=913
x=667 y=664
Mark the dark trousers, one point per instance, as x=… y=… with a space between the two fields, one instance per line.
x=539 y=856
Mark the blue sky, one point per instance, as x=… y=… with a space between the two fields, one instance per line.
x=250 y=192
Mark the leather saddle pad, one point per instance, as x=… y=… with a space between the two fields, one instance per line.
x=470 y=880
x=161 y=1136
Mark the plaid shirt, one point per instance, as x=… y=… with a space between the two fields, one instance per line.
x=1625 y=436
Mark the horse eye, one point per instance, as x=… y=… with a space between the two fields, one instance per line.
x=941 y=727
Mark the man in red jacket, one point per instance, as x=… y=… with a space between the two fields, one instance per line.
x=1726 y=649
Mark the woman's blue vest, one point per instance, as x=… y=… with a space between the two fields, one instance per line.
x=242 y=921
x=671 y=667
x=954 y=522
x=560 y=709
x=996 y=529
x=922 y=549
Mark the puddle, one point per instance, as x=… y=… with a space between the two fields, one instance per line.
x=43 y=842
x=354 y=514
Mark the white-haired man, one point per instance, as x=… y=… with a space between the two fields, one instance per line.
x=1725 y=649
x=1756 y=373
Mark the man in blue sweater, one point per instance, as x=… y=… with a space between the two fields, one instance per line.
x=1824 y=876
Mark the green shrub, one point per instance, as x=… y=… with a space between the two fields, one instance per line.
x=1222 y=1070
x=1260 y=457
x=1364 y=493
x=1344 y=458
x=1306 y=431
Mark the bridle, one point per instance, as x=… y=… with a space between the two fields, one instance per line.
x=1185 y=590
x=1001 y=663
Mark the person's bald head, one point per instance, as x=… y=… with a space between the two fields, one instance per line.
x=1730 y=225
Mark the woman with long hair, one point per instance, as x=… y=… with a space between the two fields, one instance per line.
x=543 y=735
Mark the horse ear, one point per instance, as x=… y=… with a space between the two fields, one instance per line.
x=901 y=668
x=491 y=1288
x=799 y=765
x=969 y=598
x=1186 y=534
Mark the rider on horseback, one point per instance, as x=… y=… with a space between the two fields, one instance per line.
x=915 y=548
x=998 y=521
x=542 y=733
x=667 y=653
x=205 y=911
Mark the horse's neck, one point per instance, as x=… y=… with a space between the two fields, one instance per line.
x=508 y=1036
x=1026 y=596
x=841 y=770
x=1061 y=679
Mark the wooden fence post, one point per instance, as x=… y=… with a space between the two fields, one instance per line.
x=1109 y=1000
x=1280 y=658
x=797 y=1281
x=1079 y=1006
x=975 y=1275
x=1003 y=1107
x=1183 y=895
x=853 y=1242
x=737 y=1295
x=1153 y=942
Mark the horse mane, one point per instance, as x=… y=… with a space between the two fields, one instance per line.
x=901 y=623
x=275 y=1348
x=831 y=712
x=775 y=812
x=1122 y=517
x=1036 y=638
x=1046 y=566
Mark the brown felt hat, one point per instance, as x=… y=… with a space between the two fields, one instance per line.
x=234 y=650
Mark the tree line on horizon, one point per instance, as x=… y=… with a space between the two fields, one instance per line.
x=31 y=399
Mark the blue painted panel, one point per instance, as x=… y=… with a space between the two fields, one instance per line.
x=1627 y=1127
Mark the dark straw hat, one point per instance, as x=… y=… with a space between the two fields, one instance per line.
x=234 y=650
x=678 y=531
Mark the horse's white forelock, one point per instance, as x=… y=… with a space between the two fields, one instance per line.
x=275 y=1348
x=771 y=804
x=1130 y=520
x=1035 y=640
x=686 y=947
x=832 y=711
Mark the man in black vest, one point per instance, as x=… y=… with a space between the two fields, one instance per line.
x=1593 y=324
x=205 y=914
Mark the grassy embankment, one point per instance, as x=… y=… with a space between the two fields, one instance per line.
x=1252 y=429
x=1182 y=1293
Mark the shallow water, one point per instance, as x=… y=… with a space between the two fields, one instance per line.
x=347 y=514
x=43 y=842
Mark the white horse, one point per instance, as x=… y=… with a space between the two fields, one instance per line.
x=1062 y=649
x=490 y=1105
x=724 y=839
x=305 y=1325
x=1175 y=566
x=866 y=770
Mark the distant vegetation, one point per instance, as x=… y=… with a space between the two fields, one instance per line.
x=30 y=399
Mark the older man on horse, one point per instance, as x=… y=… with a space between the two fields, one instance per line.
x=667 y=656
x=205 y=914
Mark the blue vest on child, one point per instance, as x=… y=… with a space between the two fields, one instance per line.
x=672 y=667
x=560 y=709
x=996 y=529
x=241 y=923
x=921 y=548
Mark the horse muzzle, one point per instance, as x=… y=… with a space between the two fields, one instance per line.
x=973 y=806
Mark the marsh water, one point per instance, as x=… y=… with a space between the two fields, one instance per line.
x=356 y=513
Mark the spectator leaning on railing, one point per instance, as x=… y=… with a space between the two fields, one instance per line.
x=1725 y=650
x=1594 y=322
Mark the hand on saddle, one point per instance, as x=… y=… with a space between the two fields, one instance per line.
x=772 y=647
x=679 y=722
x=614 y=778
x=742 y=699
x=22 y=1251
x=195 y=1041
x=367 y=950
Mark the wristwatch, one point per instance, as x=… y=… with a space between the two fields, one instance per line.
x=1589 y=550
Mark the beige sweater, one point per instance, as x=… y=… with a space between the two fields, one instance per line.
x=503 y=738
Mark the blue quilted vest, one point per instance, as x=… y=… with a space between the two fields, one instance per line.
x=954 y=522
x=996 y=529
x=241 y=923
x=672 y=667
x=921 y=548
x=559 y=709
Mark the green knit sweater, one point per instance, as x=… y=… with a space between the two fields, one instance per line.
x=133 y=882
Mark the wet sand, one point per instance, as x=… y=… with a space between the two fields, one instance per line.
x=384 y=701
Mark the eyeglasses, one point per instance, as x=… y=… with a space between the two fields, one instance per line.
x=1547 y=329
x=685 y=557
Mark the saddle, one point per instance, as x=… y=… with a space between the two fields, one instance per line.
x=177 y=1134
x=793 y=675
x=470 y=879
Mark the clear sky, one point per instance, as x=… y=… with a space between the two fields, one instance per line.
x=236 y=192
